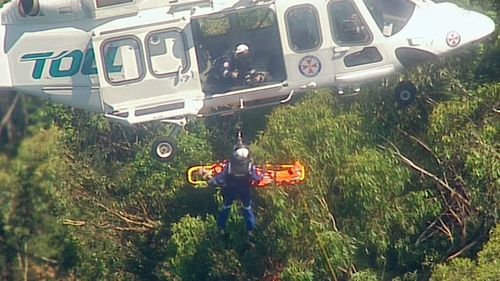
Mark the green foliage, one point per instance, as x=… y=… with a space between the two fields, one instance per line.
x=337 y=251
x=458 y=269
x=34 y=185
x=363 y=187
x=82 y=197
x=465 y=134
x=365 y=275
x=283 y=224
x=408 y=276
x=196 y=254
x=189 y=243
x=488 y=258
x=485 y=269
x=375 y=205
x=2 y=2
x=322 y=145
x=297 y=271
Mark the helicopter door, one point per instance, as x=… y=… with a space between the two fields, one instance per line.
x=148 y=72
x=358 y=55
x=304 y=48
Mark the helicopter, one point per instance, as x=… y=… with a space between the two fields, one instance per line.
x=139 y=61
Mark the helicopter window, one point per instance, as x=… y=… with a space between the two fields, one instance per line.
x=365 y=56
x=303 y=28
x=257 y=18
x=214 y=25
x=390 y=15
x=123 y=62
x=107 y=3
x=348 y=25
x=166 y=52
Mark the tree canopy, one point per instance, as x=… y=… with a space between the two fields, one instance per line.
x=391 y=192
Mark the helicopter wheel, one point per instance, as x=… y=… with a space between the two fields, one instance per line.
x=164 y=149
x=405 y=93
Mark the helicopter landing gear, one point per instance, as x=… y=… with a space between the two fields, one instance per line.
x=165 y=148
x=405 y=93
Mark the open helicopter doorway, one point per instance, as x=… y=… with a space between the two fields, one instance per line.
x=216 y=37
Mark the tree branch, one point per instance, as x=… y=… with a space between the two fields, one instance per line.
x=73 y=222
x=417 y=140
x=421 y=238
x=468 y=246
x=31 y=255
x=126 y=217
x=106 y=226
x=445 y=229
x=423 y=171
x=8 y=115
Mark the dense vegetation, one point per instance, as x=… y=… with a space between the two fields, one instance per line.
x=391 y=194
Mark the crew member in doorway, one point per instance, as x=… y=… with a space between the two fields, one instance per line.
x=238 y=67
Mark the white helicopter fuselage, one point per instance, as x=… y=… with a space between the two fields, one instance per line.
x=144 y=60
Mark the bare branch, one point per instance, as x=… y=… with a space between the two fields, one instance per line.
x=31 y=255
x=324 y=204
x=106 y=226
x=133 y=222
x=126 y=217
x=421 y=237
x=423 y=171
x=456 y=216
x=73 y=222
x=468 y=246
x=135 y=229
x=8 y=115
x=445 y=229
x=417 y=140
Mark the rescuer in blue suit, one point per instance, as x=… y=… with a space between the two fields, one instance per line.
x=235 y=182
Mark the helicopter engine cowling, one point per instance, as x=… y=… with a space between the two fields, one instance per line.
x=42 y=11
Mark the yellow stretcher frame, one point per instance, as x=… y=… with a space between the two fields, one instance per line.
x=280 y=174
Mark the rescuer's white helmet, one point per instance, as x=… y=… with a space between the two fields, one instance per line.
x=241 y=48
x=241 y=153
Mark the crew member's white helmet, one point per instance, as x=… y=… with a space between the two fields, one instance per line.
x=241 y=153
x=241 y=48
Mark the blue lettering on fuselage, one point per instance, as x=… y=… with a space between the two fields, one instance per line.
x=80 y=61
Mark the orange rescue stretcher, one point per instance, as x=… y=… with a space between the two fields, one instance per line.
x=286 y=174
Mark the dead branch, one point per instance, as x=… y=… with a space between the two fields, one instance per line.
x=144 y=209
x=420 y=238
x=445 y=229
x=455 y=215
x=31 y=255
x=423 y=171
x=106 y=225
x=324 y=204
x=73 y=222
x=465 y=248
x=127 y=217
x=421 y=143
x=134 y=229
x=134 y=222
x=8 y=115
